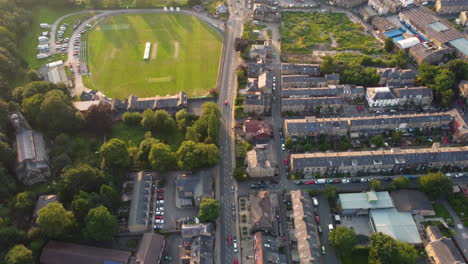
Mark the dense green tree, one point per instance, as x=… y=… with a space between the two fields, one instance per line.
x=184 y=119
x=213 y=129
x=7 y=154
x=427 y=73
x=9 y=236
x=100 y=224
x=289 y=143
x=240 y=174
x=8 y=186
x=386 y=250
x=148 y=120
x=389 y=45
x=328 y=65
x=80 y=207
x=132 y=118
x=330 y=192
x=208 y=155
x=56 y=113
x=109 y=197
x=397 y=136
x=209 y=210
x=82 y=177
x=343 y=239
x=400 y=183
x=436 y=184
x=19 y=254
x=54 y=220
x=192 y=134
x=375 y=184
x=164 y=121
x=31 y=107
x=186 y=155
x=162 y=158
x=459 y=67
x=115 y=154
x=24 y=202
x=378 y=140
x=144 y=150
x=98 y=119
x=205 y=127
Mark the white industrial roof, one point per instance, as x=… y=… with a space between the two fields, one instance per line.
x=368 y=200
x=408 y=43
x=399 y=225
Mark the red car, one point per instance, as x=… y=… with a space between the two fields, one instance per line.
x=159 y=217
x=229 y=240
x=337 y=181
x=317 y=219
x=160 y=197
x=160 y=191
x=309 y=182
x=226 y=102
x=460 y=102
x=445 y=140
x=285 y=161
x=236 y=262
x=359 y=108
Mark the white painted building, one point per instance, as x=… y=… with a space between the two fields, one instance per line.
x=381 y=97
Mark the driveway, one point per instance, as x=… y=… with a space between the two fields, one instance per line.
x=325 y=220
x=461 y=232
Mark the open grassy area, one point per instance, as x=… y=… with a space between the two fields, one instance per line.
x=133 y=135
x=28 y=43
x=184 y=56
x=301 y=32
x=441 y=211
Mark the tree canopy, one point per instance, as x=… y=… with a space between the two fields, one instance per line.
x=19 y=254
x=436 y=184
x=115 y=154
x=386 y=250
x=54 y=220
x=98 y=119
x=100 y=224
x=80 y=178
x=343 y=239
x=209 y=210
x=162 y=158
x=400 y=183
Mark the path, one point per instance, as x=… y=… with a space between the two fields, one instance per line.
x=461 y=232
x=101 y=14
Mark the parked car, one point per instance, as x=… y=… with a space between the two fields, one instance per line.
x=309 y=182
x=319 y=229
x=314 y=199
x=324 y=250
x=160 y=202
x=229 y=240
x=330 y=227
x=345 y=181
x=159 y=213
x=160 y=191
x=337 y=181
x=317 y=219
x=235 y=247
x=354 y=180
x=160 y=209
x=160 y=197
x=159 y=221
x=159 y=217
x=283 y=147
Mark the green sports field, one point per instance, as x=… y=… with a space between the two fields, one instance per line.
x=184 y=56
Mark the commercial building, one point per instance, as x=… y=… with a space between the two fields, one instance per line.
x=399 y=225
x=412 y=201
x=139 y=219
x=32 y=160
x=266 y=249
x=394 y=160
x=361 y=203
x=192 y=188
x=451 y=6
x=300 y=69
x=56 y=252
x=306 y=238
x=442 y=250
x=257 y=131
x=151 y=249
x=198 y=244
x=428 y=27
x=260 y=162
x=363 y=125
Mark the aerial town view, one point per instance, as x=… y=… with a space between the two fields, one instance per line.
x=233 y=132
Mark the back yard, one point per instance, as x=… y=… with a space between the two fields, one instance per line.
x=302 y=32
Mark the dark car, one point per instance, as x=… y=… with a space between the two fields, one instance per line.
x=337 y=181
x=354 y=180
x=388 y=179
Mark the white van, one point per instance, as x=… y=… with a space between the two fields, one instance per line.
x=330 y=227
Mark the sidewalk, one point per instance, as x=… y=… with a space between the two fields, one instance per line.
x=461 y=235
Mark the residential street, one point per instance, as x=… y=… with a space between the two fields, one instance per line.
x=461 y=232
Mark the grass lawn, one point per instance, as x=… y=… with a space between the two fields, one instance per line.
x=184 y=56
x=304 y=31
x=441 y=211
x=28 y=44
x=360 y=256
x=133 y=135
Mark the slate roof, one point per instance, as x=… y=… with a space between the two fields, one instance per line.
x=413 y=92
x=411 y=200
x=56 y=252
x=330 y=90
x=305 y=230
x=454 y=3
x=254 y=99
x=380 y=93
x=193 y=230
x=301 y=69
x=315 y=125
x=385 y=157
x=257 y=127
x=312 y=101
x=445 y=251
x=151 y=249
x=261 y=215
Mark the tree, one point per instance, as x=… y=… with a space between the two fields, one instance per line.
x=289 y=143
x=10 y=235
x=132 y=118
x=204 y=126
x=162 y=158
x=328 y=65
x=397 y=136
x=56 y=113
x=54 y=220
x=19 y=254
x=192 y=134
x=400 y=183
x=240 y=44
x=80 y=207
x=207 y=154
x=82 y=177
x=109 y=197
x=98 y=119
x=213 y=129
x=7 y=154
x=343 y=239
x=163 y=121
x=209 y=210
x=427 y=73
x=378 y=140
x=100 y=224
x=148 y=120
x=240 y=174
x=436 y=184
x=115 y=154
x=375 y=184
x=186 y=156
x=386 y=250
x=459 y=67
x=24 y=202
x=184 y=119
x=330 y=192
x=389 y=45
x=31 y=107
x=8 y=186
x=144 y=150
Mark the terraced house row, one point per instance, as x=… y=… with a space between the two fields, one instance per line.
x=363 y=125
x=394 y=160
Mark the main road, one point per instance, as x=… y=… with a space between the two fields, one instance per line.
x=226 y=189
